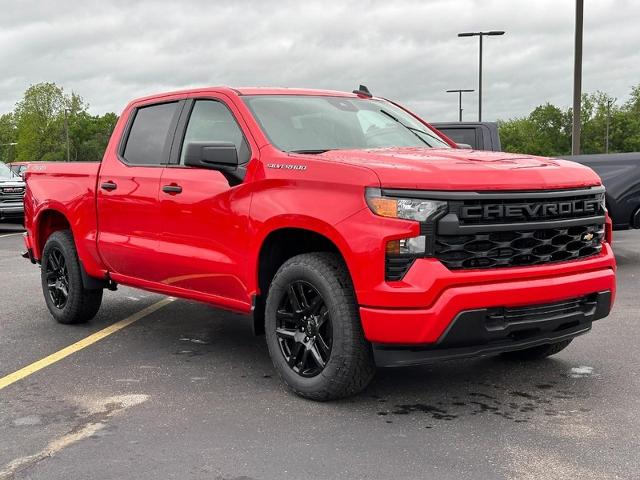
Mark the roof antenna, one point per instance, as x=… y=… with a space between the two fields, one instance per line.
x=363 y=91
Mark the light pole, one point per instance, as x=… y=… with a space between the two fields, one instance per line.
x=480 y=35
x=577 y=80
x=459 y=91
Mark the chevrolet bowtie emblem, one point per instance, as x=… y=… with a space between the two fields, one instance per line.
x=588 y=237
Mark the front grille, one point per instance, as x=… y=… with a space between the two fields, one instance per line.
x=518 y=247
x=12 y=190
x=11 y=199
x=11 y=194
x=493 y=229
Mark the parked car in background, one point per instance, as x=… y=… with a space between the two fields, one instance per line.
x=12 y=189
x=620 y=172
x=479 y=136
x=18 y=168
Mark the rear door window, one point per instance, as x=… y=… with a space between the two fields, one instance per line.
x=150 y=134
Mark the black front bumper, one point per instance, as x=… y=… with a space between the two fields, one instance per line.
x=490 y=331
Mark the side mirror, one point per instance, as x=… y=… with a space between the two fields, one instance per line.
x=212 y=155
x=464 y=146
x=221 y=156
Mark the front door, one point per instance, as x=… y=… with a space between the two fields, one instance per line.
x=204 y=219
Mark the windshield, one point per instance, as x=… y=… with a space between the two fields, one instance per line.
x=6 y=173
x=314 y=124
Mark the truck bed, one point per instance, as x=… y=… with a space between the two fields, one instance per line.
x=68 y=188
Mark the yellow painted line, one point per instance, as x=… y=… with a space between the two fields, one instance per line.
x=85 y=342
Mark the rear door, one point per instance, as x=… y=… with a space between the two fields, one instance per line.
x=204 y=219
x=128 y=187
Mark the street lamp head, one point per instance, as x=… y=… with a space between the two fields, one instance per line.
x=478 y=34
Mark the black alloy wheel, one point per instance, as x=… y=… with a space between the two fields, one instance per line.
x=313 y=329
x=65 y=294
x=57 y=278
x=304 y=329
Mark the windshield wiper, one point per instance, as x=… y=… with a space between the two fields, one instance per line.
x=413 y=130
x=311 y=152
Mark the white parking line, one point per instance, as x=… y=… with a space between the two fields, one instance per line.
x=96 y=421
x=10 y=234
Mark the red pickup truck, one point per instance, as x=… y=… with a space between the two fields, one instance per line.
x=353 y=232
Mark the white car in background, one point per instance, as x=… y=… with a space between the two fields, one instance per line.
x=12 y=189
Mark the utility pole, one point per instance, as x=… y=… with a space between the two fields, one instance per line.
x=606 y=141
x=577 y=80
x=459 y=91
x=480 y=35
x=66 y=129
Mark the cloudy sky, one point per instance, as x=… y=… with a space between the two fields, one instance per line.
x=110 y=51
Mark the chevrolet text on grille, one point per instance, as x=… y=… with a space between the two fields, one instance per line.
x=532 y=210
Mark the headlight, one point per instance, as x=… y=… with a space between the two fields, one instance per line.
x=407 y=208
x=407 y=246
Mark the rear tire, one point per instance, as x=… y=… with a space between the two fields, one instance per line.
x=537 y=353
x=67 y=299
x=313 y=329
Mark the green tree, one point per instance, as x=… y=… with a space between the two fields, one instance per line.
x=90 y=135
x=40 y=123
x=547 y=129
x=51 y=125
x=8 y=135
x=629 y=123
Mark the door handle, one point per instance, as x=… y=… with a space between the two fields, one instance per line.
x=109 y=186
x=172 y=189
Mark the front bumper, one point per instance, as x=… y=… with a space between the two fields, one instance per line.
x=489 y=331
x=430 y=296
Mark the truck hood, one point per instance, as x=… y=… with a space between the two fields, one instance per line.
x=457 y=169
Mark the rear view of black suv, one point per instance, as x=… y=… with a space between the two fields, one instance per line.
x=11 y=195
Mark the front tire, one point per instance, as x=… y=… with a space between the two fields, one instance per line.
x=313 y=329
x=67 y=299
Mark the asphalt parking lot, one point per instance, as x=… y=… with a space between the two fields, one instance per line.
x=188 y=392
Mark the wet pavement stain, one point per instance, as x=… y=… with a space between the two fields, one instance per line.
x=544 y=386
x=435 y=412
x=517 y=405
